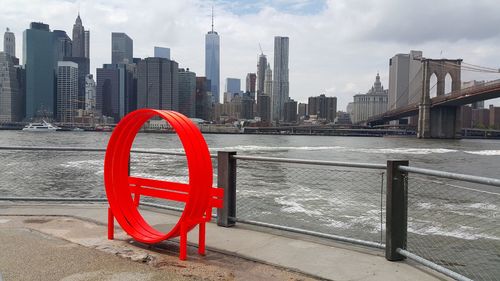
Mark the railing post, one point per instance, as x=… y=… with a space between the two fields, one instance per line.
x=396 y=210
x=226 y=178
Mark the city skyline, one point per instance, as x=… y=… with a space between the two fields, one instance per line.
x=341 y=61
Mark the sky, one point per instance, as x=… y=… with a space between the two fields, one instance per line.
x=336 y=46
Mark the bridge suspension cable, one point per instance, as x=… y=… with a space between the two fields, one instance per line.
x=406 y=91
x=481 y=68
x=467 y=67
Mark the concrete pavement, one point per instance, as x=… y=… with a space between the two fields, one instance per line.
x=317 y=258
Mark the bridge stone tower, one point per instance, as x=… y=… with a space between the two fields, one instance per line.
x=443 y=121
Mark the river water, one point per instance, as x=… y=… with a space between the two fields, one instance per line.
x=350 y=202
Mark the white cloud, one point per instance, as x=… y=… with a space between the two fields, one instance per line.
x=335 y=50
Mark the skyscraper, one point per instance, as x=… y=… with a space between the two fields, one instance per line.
x=162 y=52
x=247 y=107
x=119 y=98
x=80 y=55
x=268 y=82
x=203 y=107
x=264 y=108
x=67 y=91
x=280 y=84
x=302 y=109
x=11 y=92
x=250 y=85
x=233 y=85
x=187 y=92
x=62 y=45
x=212 y=61
x=233 y=88
x=405 y=83
x=83 y=70
x=87 y=44
x=122 y=48
x=261 y=74
x=325 y=108
x=108 y=92
x=404 y=79
x=157 y=84
x=290 y=111
x=9 y=43
x=264 y=99
x=90 y=94
x=38 y=60
x=78 y=38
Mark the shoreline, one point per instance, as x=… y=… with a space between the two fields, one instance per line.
x=333 y=133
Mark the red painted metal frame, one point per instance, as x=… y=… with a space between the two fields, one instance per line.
x=124 y=191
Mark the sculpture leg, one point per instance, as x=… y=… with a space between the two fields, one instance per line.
x=201 y=239
x=183 y=242
x=111 y=225
x=137 y=198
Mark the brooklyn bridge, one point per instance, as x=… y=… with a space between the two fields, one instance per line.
x=440 y=116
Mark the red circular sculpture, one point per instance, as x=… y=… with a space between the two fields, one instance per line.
x=124 y=191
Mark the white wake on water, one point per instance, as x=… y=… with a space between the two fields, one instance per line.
x=485 y=152
x=401 y=150
x=397 y=150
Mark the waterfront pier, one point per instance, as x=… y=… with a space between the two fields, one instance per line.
x=324 y=219
x=312 y=257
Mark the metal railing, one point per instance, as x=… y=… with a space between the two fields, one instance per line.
x=92 y=149
x=406 y=207
x=449 y=225
x=338 y=200
x=71 y=174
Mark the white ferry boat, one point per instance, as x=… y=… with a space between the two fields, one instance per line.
x=41 y=127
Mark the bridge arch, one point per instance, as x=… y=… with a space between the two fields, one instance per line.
x=433 y=80
x=441 y=68
x=448 y=82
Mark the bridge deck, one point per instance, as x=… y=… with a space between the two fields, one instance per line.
x=486 y=91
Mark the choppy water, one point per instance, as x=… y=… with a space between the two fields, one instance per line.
x=333 y=200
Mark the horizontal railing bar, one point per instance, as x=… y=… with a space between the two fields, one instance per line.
x=157 y=152
x=91 y=149
x=313 y=233
x=54 y=199
x=311 y=162
x=164 y=153
x=453 y=176
x=73 y=199
x=433 y=265
x=53 y=148
x=459 y=187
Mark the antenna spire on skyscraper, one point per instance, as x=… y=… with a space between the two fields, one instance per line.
x=212 y=18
